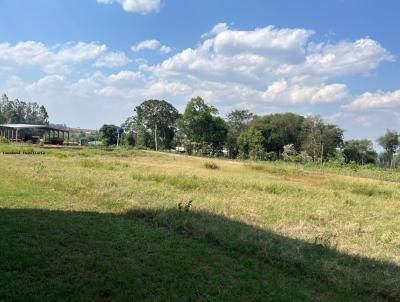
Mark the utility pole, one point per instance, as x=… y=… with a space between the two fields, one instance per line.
x=155 y=137
x=322 y=154
x=119 y=134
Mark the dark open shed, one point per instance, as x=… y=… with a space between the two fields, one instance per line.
x=11 y=132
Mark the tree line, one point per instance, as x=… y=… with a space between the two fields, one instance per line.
x=158 y=125
x=20 y=112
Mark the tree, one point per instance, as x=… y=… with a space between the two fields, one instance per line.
x=136 y=133
x=237 y=121
x=3 y=117
x=157 y=118
x=279 y=130
x=109 y=134
x=201 y=126
x=19 y=112
x=216 y=135
x=360 y=151
x=390 y=142
x=320 y=140
x=250 y=143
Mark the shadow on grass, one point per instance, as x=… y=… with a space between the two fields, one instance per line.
x=174 y=255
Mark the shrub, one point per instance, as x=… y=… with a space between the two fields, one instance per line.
x=182 y=221
x=211 y=165
x=4 y=140
x=304 y=157
x=289 y=153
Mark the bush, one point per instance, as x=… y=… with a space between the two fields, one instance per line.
x=211 y=165
x=304 y=157
x=289 y=153
x=4 y=140
x=272 y=156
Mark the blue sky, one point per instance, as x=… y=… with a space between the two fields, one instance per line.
x=91 y=61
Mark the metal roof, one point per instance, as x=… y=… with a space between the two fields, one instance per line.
x=28 y=126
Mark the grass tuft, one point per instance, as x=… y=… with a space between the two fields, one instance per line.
x=211 y=165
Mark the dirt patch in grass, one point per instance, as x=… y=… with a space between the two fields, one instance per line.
x=339 y=176
x=300 y=181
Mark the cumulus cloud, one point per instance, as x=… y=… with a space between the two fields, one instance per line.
x=136 y=6
x=375 y=100
x=282 y=91
x=113 y=59
x=151 y=44
x=218 y=28
x=343 y=58
x=266 y=54
x=242 y=56
x=51 y=59
x=266 y=69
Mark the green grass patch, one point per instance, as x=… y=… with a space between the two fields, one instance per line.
x=369 y=190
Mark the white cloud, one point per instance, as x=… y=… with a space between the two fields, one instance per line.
x=218 y=28
x=151 y=44
x=124 y=75
x=49 y=83
x=266 y=69
x=79 y=52
x=113 y=59
x=269 y=42
x=343 y=58
x=136 y=6
x=375 y=100
x=51 y=59
x=266 y=54
x=161 y=88
x=282 y=91
x=24 y=53
x=165 y=49
x=147 y=44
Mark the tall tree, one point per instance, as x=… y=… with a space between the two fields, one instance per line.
x=202 y=126
x=158 y=118
x=237 y=121
x=360 y=151
x=251 y=144
x=390 y=142
x=19 y=112
x=279 y=130
x=320 y=140
x=3 y=101
x=109 y=134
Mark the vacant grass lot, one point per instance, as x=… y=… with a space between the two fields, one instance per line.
x=144 y=226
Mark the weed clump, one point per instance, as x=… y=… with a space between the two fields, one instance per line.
x=39 y=167
x=182 y=221
x=211 y=165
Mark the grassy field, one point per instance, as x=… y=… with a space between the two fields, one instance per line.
x=143 y=226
